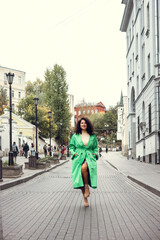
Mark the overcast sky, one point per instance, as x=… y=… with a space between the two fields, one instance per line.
x=82 y=36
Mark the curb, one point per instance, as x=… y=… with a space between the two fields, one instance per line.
x=25 y=179
x=149 y=188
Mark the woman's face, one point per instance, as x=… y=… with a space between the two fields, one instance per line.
x=83 y=124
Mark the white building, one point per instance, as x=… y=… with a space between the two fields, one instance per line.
x=141 y=23
x=18 y=85
x=122 y=124
x=120 y=119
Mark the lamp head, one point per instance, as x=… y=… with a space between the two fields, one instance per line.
x=36 y=101
x=10 y=77
x=49 y=114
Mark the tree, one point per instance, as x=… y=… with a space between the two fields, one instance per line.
x=3 y=100
x=26 y=109
x=56 y=89
x=105 y=125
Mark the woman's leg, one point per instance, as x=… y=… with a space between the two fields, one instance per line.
x=84 y=169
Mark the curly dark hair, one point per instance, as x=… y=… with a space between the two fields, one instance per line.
x=90 y=128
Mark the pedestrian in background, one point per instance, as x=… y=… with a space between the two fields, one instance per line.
x=49 y=150
x=21 y=150
x=15 y=151
x=26 y=149
x=45 y=150
x=32 y=150
x=100 y=150
x=84 y=153
x=106 y=149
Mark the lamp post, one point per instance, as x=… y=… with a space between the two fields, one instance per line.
x=49 y=116
x=67 y=142
x=36 y=103
x=61 y=137
x=10 y=77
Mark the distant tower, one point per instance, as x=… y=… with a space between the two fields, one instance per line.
x=120 y=118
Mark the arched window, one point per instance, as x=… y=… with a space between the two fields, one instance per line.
x=133 y=100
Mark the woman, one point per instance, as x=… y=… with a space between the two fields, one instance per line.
x=84 y=153
x=32 y=150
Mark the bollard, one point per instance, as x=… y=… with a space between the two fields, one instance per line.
x=1 y=180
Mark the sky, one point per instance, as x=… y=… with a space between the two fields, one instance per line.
x=83 y=36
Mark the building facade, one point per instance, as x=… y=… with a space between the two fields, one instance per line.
x=21 y=131
x=18 y=86
x=120 y=118
x=122 y=124
x=141 y=23
x=86 y=109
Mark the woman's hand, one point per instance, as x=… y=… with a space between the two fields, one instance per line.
x=75 y=154
x=94 y=154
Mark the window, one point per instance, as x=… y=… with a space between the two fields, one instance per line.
x=137 y=47
x=148 y=17
x=138 y=122
x=0 y=143
x=5 y=78
x=137 y=85
x=19 y=94
x=149 y=118
x=13 y=107
x=130 y=67
x=143 y=59
x=142 y=17
x=149 y=67
x=133 y=63
x=12 y=93
x=19 y=80
x=130 y=36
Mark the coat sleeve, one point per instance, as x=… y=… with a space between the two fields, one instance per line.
x=95 y=150
x=72 y=146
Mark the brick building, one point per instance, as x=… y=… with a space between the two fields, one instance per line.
x=86 y=109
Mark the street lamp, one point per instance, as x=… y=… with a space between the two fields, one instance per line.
x=10 y=77
x=49 y=116
x=61 y=137
x=67 y=142
x=36 y=103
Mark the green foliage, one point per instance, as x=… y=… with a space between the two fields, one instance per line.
x=26 y=109
x=105 y=125
x=3 y=100
x=56 y=89
x=52 y=94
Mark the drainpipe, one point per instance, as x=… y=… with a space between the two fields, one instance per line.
x=157 y=44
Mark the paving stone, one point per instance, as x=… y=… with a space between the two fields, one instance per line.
x=47 y=208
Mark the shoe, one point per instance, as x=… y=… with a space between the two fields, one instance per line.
x=86 y=204
x=86 y=193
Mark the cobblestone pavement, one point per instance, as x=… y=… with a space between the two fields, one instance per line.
x=47 y=208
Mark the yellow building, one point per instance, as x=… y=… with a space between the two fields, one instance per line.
x=18 y=86
x=21 y=131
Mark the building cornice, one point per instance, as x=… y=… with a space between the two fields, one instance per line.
x=127 y=14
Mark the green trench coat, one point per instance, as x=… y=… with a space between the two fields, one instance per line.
x=76 y=146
